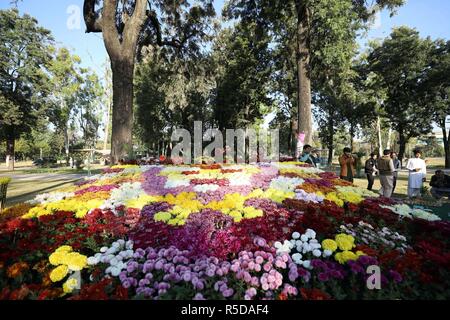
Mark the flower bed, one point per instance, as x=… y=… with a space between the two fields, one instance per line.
x=267 y=231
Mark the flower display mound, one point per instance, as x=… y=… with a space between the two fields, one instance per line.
x=265 y=231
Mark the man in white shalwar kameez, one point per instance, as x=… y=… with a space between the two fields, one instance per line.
x=417 y=174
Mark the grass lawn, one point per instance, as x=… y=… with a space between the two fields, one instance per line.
x=27 y=182
x=24 y=190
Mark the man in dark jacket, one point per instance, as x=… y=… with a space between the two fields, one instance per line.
x=371 y=170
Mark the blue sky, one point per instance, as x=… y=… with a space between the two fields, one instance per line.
x=54 y=15
x=429 y=17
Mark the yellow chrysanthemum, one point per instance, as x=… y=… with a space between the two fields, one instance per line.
x=140 y=202
x=124 y=166
x=251 y=212
x=278 y=195
x=57 y=258
x=75 y=261
x=257 y=193
x=70 y=285
x=64 y=249
x=345 y=242
x=59 y=273
x=344 y=256
x=333 y=197
x=329 y=244
x=162 y=216
x=351 y=197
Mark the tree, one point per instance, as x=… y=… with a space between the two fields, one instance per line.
x=88 y=102
x=24 y=56
x=437 y=89
x=329 y=118
x=171 y=92
x=66 y=80
x=315 y=25
x=400 y=63
x=107 y=102
x=246 y=67
x=126 y=27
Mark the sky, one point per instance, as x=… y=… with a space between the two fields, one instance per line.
x=64 y=19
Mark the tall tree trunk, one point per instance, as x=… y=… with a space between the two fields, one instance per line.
x=122 y=117
x=352 y=135
x=330 y=155
x=380 y=144
x=303 y=72
x=446 y=144
x=10 y=156
x=388 y=143
x=290 y=136
x=331 y=140
x=66 y=143
x=402 y=146
x=108 y=117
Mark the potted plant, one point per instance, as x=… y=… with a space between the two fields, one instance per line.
x=3 y=187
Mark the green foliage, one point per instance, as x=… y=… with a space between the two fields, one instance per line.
x=242 y=90
x=399 y=65
x=24 y=85
x=171 y=94
x=4 y=180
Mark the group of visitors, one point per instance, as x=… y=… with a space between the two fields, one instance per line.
x=386 y=167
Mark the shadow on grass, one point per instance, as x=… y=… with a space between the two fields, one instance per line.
x=30 y=195
x=61 y=171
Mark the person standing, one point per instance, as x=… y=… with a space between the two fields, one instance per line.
x=397 y=167
x=386 y=169
x=417 y=174
x=347 y=163
x=370 y=169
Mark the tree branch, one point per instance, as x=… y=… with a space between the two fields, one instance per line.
x=110 y=32
x=133 y=27
x=151 y=15
x=93 y=23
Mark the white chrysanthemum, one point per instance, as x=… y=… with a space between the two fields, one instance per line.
x=406 y=211
x=92 y=261
x=174 y=183
x=51 y=197
x=297 y=257
x=239 y=179
x=317 y=253
x=285 y=184
x=295 y=235
x=311 y=234
x=327 y=253
x=206 y=187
